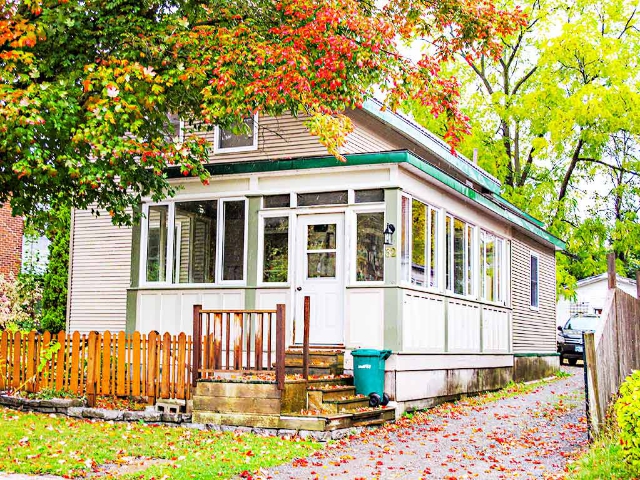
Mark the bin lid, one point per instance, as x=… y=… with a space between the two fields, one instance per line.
x=370 y=352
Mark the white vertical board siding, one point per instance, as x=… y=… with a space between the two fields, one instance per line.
x=463 y=327
x=495 y=330
x=100 y=267
x=364 y=322
x=534 y=330
x=172 y=310
x=423 y=323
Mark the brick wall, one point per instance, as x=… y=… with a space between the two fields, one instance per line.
x=10 y=241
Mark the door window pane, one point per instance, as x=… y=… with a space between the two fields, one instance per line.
x=369 y=196
x=157 y=233
x=321 y=265
x=195 y=242
x=321 y=237
x=233 y=251
x=242 y=137
x=322 y=198
x=370 y=247
x=276 y=249
x=419 y=230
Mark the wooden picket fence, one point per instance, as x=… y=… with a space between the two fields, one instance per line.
x=119 y=364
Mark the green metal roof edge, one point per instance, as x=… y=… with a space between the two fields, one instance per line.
x=439 y=149
x=513 y=207
x=397 y=156
x=482 y=200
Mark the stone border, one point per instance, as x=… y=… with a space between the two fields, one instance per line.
x=76 y=408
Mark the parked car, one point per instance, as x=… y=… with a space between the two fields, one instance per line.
x=570 y=343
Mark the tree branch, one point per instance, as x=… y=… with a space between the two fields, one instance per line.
x=520 y=82
x=613 y=167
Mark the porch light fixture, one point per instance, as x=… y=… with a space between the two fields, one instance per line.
x=388 y=234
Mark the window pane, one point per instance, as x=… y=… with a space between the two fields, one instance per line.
x=157 y=233
x=195 y=242
x=488 y=266
x=370 y=247
x=322 y=198
x=370 y=196
x=276 y=249
x=241 y=137
x=458 y=257
x=321 y=265
x=418 y=258
x=469 y=259
x=534 y=281
x=498 y=270
x=321 y=237
x=233 y=252
x=449 y=252
x=433 y=247
x=404 y=241
x=276 y=201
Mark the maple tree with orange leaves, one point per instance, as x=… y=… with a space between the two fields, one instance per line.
x=86 y=87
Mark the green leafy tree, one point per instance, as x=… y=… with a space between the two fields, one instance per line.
x=54 y=295
x=87 y=87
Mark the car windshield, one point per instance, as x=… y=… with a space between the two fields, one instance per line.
x=581 y=323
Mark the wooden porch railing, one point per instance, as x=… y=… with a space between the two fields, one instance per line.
x=239 y=340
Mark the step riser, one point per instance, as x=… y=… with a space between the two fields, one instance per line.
x=333 y=370
x=339 y=407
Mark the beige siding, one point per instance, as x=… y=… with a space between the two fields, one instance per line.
x=100 y=273
x=278 y=137
x=533 y=330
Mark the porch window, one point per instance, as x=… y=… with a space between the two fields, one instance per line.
x=405 y=237
x=233 y=247
x=275 y=264
x=459 y=252
x=323 y=198
x=370 y=247
x=369 y=196
x=184 y=246
x=157 y=239
x=195 y=242
x=492 y=266
x=240 y=138
x=534 y=281
x=422 y=222
x=276 y=201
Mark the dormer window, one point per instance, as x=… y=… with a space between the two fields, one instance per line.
x=226 y=141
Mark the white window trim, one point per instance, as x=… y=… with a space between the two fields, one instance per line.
x=143 y=283
x=533 y=254
x=249 y=148
x=502 y=287
x=353 y=248
x=474 y=262
x=261 y=217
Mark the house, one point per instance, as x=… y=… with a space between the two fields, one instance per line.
x=404 y=246
x=10 y=241
x=591 y=294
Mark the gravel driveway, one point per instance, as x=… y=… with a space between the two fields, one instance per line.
x=530 y=435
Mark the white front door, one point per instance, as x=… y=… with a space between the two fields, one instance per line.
x=320 y=275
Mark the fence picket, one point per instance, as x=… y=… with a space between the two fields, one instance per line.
x=4 y=360
x=121 y=351
x=60 y=361
x=135 y=390
x=75 y=361
x=17 y=359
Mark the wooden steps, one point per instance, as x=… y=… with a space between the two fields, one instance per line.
x=321 y=361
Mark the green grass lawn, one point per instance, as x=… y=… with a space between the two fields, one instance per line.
x=36 y=443
x=603 y=461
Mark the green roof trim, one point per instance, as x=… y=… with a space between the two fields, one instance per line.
x=435 y=145
x=397 y=157
x=503 y=201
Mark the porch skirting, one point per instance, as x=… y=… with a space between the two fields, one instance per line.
x=532 y=366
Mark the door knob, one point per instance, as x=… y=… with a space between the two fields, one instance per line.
x=299 y=289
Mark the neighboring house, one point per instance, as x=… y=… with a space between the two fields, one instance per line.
x=10 y=241
x=591 y=293
x=464 y=292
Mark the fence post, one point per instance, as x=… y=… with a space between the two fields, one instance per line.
x=197 y=345
x=611 y=269
x=280 y=340
x=92 y=357
x=638 y=284
x=305 y=339
x=595 y=414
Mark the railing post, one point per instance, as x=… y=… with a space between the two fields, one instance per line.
x=611 y=269
x=305 y=340
x=280 y=341
x=197 y=345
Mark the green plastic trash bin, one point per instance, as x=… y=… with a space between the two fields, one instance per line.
x=368 y=374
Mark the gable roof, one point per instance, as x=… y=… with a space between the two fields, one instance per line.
x=604 y=276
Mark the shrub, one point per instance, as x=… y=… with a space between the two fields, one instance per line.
x=20 y=301
x=628 y=414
